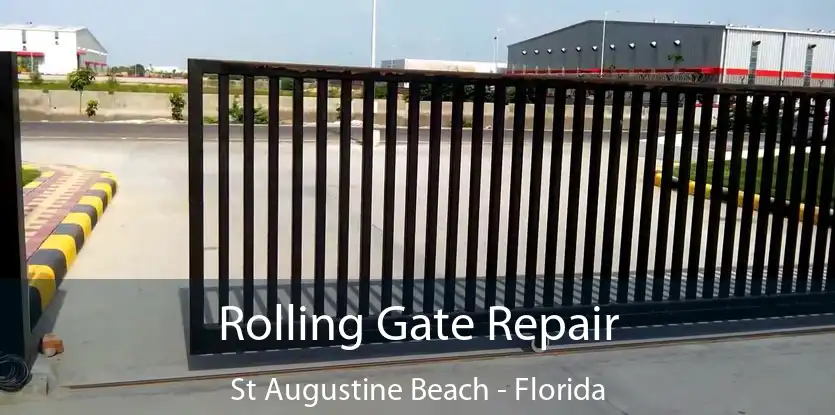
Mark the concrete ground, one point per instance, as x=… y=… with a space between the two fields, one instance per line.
x=121 y=317
x=771 y=376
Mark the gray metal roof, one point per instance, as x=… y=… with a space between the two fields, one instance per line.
x=45 y=28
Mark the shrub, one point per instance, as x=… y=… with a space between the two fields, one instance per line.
x=178 y=102
x=92 y=108
x=236 y=113
x=35 y=78
x=112 y=84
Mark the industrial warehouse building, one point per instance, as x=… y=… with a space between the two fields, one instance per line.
x=53 y=50
x=714 y=53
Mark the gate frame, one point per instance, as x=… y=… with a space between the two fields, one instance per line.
x=205 y=338
x=16 y=334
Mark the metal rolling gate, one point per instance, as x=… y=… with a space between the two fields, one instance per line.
x=590 y=230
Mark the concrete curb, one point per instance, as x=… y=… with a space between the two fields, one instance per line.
x=34 y=184
x=47 y=267
x=740 y=196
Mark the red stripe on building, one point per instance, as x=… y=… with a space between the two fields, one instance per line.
x=765 y=73
x=30 y=54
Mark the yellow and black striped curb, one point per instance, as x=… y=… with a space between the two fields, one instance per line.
x=691 y=189
x=48 y=265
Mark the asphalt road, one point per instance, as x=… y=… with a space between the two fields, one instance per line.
x=73 y=130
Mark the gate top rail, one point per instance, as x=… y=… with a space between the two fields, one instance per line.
x=268 y=69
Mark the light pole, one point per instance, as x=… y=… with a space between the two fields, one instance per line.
x=373 y=33
x=603 y=40
x=562 y=50
x=536 y=53
x=549 y=51
x=654 y=45
x=496 y=50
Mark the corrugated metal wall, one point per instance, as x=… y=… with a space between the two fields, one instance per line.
x=700 y=46
x=771 y=54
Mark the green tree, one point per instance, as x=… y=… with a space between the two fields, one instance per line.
x=80 y=79
x=137 y=70
x=676 y=59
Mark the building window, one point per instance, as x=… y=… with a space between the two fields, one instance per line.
x=23 y=37
x=752 y=64
x=807 y=66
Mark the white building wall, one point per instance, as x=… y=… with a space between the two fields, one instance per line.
x=93 y=54
x=738 y=50
x=452 y=66
x=771 y=54
x=823 y=59
x=57 y=51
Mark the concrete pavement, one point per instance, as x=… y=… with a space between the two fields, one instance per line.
x=737 y=377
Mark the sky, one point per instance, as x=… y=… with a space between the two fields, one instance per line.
x=338 y=32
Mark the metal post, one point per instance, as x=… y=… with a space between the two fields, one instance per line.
x=15 y=325
x=495 y=52
x=373 y=33
x=603 y=42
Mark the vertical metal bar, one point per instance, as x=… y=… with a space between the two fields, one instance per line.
x=223 y=192
x=829 y=286
x=577 y=139
x=474 y=205
x=388 y=195
x=432 y=198
x=765 y=207
x=365 y=196
x=554 y=193
x=740 y=123
x=659 y=273
x=537 y=145
x=645 y=224
x=717 y=183
x=610 y=210
x=595 y=155
x=793 y=211
x=321 y=195
x=272 y=197
x=454 y=190
x=682 y=194
x=500 y=98
x=699 y=195
x=780 y=209
x=196 y=248
x=516 y=161
x=629 y=190
x=409 y=213
x=15 y=324
x=811 y=187
x=751 y=169
x=824 y=216
x=249 y=197
x=298 y=165
x=345 y=94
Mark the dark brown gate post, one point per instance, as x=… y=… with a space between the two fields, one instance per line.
x=15 y=330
